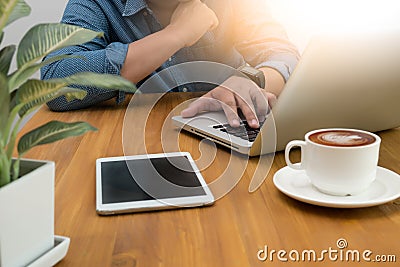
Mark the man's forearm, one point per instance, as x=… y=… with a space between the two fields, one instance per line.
x=274 y=81
x=147 y=54
x=189 y=22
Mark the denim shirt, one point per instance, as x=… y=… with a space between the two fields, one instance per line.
x=246 y=34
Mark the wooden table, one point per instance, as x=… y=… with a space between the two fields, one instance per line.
x=230 y=233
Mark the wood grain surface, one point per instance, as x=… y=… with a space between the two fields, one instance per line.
x=229 y=233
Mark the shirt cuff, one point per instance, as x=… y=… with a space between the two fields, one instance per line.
x=284 y=64
x=115 y=58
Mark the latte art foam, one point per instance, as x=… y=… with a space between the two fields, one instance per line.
x=342 y=138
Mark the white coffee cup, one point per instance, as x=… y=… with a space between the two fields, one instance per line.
x=338 y=161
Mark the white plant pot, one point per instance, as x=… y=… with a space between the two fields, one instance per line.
x=27 y=214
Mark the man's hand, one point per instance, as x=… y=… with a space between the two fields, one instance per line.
x=191 y=20
x=235 y=92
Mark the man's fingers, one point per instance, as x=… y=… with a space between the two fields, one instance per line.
x=197 y=106
x=215 y=23
x=253 y=102
x=247 y=107
x=228 y=103
x=260 y=98
x=230 y=110
x=202 y=104
x=271 y=99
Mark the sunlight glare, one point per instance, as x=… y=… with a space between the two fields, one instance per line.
x=341 y=15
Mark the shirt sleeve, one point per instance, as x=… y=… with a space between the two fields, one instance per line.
x=98 y=55
x=261 y=40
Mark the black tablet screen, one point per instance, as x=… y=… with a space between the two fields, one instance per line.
x=119 y=184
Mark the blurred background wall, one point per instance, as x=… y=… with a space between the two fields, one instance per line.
x=42 y=11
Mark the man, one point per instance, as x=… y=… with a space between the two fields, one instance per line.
x=143 y=37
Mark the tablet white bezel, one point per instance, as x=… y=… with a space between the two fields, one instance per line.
x=146 y=205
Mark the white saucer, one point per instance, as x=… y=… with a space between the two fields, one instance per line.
x=296 y=184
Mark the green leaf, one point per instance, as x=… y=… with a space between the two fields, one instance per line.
x=6 y=8
x=72 y=93
x=4 y=104
x=51 y=132
x=21 y=75
x=13 y=100
x=99 y=80
x=42 y=39
x=20 y=10
x=35 y=93
x=6 y=55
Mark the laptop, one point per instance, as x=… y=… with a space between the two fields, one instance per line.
x=341 y=81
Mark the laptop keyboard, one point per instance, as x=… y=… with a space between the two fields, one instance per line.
x=244 y=131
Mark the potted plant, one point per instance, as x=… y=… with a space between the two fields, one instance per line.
x=27 y=186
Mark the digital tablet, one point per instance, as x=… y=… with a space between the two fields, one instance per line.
x=149 y=182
